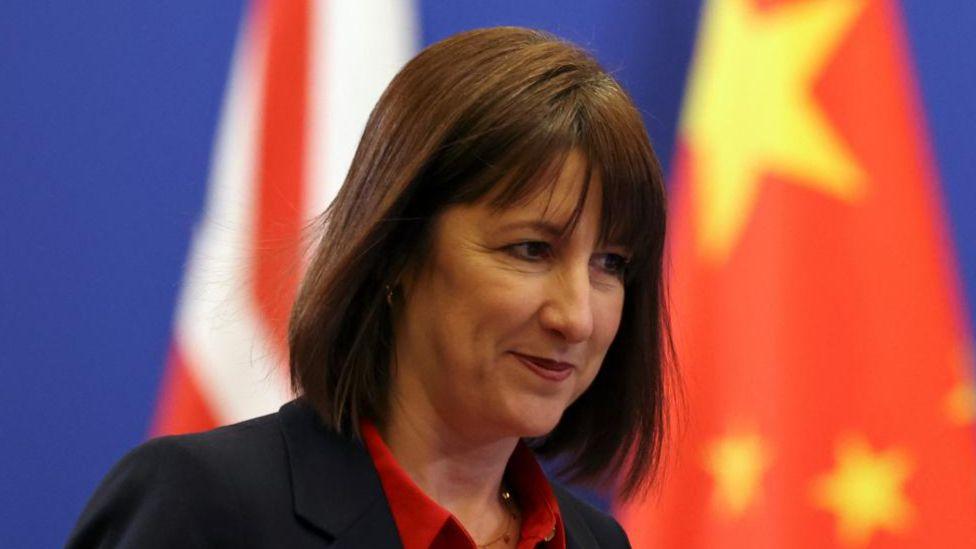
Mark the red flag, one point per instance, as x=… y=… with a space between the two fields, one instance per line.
x=825 y=359
x=304 y=78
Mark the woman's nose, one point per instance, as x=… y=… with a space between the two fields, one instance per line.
x=568 y=310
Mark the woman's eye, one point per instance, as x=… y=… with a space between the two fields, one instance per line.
x=614 y=264
x=531 y=251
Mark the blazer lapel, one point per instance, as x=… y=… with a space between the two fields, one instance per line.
x=334 y=485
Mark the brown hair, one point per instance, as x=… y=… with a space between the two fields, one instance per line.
x=493 y=110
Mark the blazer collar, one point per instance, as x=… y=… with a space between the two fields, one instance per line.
x=334 y=484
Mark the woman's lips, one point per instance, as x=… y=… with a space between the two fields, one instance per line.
x=545 y=368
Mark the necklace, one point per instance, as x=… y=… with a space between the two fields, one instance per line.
x=506 y=535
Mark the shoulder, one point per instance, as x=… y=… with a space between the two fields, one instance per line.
x=583 y=521
x=185 y=490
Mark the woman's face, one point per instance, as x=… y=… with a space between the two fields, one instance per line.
x=507 y=323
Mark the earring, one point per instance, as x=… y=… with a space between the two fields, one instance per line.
x=389 y=295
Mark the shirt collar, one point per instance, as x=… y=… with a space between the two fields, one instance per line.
x=420 y=520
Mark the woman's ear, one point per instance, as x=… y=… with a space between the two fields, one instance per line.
x=413 y=266
x=406 y=280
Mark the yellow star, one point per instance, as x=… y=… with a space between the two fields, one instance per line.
x=737 y=464
x=960 y=403
x=865 y=491
x=750 y=110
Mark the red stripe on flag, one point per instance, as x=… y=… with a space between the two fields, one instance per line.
x=181 y=407
x=280 y=170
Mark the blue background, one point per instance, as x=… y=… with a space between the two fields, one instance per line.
x=107 y=116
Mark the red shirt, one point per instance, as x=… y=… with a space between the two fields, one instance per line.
x=422 y=523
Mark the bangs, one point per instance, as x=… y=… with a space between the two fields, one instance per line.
x=632 y=202
x=511 y=143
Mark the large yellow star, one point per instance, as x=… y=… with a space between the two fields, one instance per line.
x=865 y=491
x=750 y=110
x=736 y=463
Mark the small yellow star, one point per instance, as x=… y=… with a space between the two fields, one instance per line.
x=865 y=491
x=737 y=464
x=750 y=110
x=960 y=403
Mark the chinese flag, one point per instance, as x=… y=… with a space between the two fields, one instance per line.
x=826 y=366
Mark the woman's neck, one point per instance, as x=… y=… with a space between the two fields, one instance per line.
x=452 y=465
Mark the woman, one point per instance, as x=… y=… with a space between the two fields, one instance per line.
x=487 y=286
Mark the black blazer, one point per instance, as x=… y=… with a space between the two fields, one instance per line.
x=282 y=480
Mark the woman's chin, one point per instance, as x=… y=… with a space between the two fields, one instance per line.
x=537 y=421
